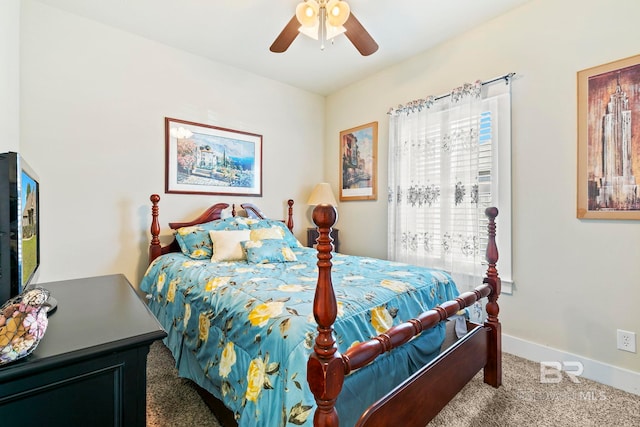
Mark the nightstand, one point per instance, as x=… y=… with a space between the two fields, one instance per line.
x=90 y=367
x=312 y=236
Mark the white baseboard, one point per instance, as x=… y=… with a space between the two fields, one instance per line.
x=620 y=378
x=507 y=287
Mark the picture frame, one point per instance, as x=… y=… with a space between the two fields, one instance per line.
x=359 y=163
x=609 y=140
x=206 y=159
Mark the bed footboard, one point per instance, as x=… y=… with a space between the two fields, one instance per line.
x=440 y=380
x=433 y=386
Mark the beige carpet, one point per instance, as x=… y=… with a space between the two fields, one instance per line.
x=521 y=401
x=172 y=401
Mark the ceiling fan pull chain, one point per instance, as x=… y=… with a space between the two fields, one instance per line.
x=323 y=18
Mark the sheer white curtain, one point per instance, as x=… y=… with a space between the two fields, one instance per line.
x=442 y=174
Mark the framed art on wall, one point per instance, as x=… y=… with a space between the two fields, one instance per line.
x=609 y=140
x=358 y=160
x=205 y=159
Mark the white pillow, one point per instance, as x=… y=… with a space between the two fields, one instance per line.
x=226 y=244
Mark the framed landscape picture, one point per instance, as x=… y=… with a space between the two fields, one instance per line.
x=205 y=159
x=609 y=140
x=358 y=160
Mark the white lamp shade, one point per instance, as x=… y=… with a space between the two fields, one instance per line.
x=307 y=13
x=322 y=195
x=337 y=13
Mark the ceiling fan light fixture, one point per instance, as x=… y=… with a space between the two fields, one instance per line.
x=337 y=12
x=307 y=13
x=324 y=20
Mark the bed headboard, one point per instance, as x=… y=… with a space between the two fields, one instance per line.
x=213 y=213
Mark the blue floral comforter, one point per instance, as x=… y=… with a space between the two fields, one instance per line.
x=245 y=331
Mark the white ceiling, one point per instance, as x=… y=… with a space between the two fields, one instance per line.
x=239 y=32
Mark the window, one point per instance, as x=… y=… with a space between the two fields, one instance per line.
x=450 y=159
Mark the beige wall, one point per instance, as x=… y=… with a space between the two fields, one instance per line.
x=94 y=101
x=576 y=280
x=9 y=75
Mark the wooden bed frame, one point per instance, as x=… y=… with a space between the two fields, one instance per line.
x=420 y=397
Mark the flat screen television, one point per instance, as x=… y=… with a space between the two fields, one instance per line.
x=19 y=225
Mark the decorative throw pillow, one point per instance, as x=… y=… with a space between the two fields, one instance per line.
x=195 y=241
x=226 y=244
x=268 y=251
x=288 y=235
x=23 y=322
x=267 y=233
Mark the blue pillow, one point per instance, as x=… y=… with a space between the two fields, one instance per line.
x=195 y=242
x=268 y=223
x=268 y=251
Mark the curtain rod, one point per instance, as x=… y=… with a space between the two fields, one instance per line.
x=506 y=77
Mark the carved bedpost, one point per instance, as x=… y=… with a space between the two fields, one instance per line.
x=154 y=246
x=290 y=215
x=493 y=369
x=325 y=368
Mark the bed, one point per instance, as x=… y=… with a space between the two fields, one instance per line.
x=300 y=336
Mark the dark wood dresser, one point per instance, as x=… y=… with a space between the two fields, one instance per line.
x=90 y=367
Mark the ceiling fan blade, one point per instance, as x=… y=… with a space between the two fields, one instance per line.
x=360 y=38
x=286 y=37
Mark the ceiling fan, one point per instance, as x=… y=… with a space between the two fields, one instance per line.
x=325 y=19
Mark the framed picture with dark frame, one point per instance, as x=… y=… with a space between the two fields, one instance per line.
x=205 y=159
x=609 y=140
x=359 y=163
